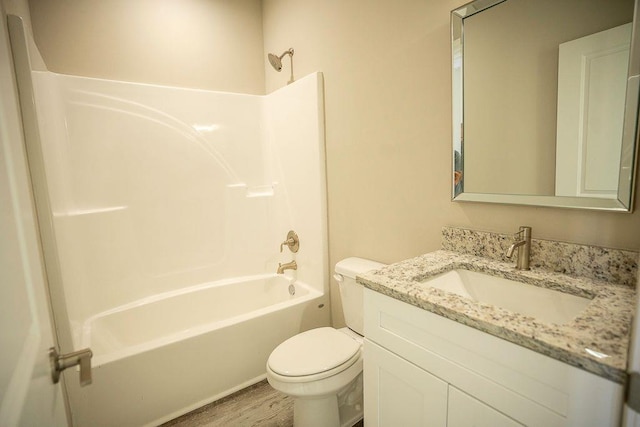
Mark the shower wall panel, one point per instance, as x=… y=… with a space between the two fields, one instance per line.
x=156 y=188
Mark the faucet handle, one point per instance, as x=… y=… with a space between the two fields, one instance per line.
x=292 y=242
x=285 y=243
x=524 y=232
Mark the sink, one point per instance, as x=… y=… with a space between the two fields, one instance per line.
x=544 y=304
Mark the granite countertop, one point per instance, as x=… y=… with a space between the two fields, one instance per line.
x=596 y=341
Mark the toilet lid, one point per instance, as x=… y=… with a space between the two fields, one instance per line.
x=312 y=352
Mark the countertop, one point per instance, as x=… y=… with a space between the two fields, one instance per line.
x=596 y=341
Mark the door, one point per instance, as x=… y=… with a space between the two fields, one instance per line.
x=592 y=83
x=28 y=397
x=398 y=393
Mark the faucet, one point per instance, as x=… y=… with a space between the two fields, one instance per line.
x=523 y=243
x=287 y=266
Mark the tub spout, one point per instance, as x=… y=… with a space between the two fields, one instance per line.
x=287 y=266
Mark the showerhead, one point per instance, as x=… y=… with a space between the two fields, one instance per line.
x=276 y=61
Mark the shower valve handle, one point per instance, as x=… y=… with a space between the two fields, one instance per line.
x=292 y=242
x=287 y=243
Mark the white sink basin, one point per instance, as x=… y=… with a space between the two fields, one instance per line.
x=544 y=304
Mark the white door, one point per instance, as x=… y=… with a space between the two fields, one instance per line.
x=592 y=83
x=28 y=397
x=398 y=393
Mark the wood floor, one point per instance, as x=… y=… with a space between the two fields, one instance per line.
x=258 y=405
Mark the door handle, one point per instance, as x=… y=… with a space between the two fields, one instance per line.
x=60 y=362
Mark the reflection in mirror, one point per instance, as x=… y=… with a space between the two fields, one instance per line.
x=544 y=112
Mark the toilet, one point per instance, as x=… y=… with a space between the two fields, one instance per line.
x=321 y=369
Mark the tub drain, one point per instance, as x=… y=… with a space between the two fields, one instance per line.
x=292 y=290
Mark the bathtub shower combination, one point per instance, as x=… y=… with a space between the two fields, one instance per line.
x=169 y=206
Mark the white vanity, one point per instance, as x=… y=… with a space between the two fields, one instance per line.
x=440 y=358
x=422 y=369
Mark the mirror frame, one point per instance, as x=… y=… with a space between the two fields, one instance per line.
x=630 y=137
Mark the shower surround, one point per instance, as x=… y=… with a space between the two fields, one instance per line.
x=169 y=206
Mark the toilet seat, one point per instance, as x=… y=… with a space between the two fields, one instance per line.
x=313 y=355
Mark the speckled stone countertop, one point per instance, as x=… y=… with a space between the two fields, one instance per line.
x=597 y=340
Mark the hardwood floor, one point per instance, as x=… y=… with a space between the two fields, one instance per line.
x=257 y=405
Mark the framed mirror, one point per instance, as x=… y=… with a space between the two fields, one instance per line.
x=545 y=102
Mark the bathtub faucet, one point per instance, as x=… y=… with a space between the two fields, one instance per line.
x=287 y=266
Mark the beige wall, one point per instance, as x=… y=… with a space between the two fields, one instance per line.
x=386 y=65
x=214 y=44
x=388 y=116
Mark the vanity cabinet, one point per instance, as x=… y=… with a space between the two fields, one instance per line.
x=402 y=393
x=464 y=411
x=422 y=369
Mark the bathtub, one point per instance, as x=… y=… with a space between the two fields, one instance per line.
x=166 y=355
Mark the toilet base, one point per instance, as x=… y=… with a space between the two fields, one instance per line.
x=316 y=412
x=343 y=409
x=351 y=403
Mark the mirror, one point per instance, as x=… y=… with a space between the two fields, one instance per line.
x=545 y=102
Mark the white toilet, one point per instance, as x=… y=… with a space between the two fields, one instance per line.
x=322 y=368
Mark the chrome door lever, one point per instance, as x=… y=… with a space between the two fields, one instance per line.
x=60 y=362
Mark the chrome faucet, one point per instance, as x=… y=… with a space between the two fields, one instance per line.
x=522 y=241
x=287 y=266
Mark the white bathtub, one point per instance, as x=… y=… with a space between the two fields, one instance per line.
x=166 y=355
x=225 y=205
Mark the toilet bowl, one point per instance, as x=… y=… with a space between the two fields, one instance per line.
x=321 y=369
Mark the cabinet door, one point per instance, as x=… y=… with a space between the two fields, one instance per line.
x=398 y=393
x=465 y=411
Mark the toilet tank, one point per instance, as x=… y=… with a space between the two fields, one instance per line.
x=351 y=292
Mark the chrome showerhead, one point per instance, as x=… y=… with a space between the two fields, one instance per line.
x=276 y=61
